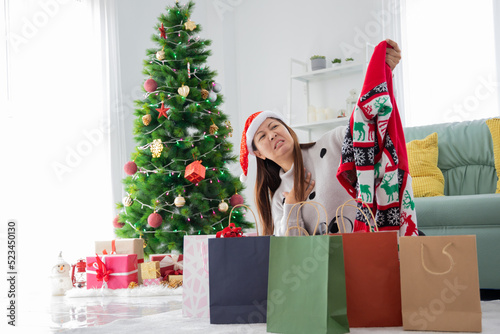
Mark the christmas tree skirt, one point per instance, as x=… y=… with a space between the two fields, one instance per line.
x=140 y=291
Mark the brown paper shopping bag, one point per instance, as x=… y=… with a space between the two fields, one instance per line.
x=440 y=283
x=372 y=274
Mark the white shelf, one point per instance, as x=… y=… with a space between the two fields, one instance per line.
x=331 y=72
x=321 y=124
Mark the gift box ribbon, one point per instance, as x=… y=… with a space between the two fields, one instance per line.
x=172 y=260
x=102 y=273
x=230 y=232
x=172 y=272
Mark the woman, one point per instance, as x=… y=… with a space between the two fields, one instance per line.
x=289 y=172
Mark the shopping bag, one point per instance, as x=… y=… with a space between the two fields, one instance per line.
x=306 y=292
x=440 y=283
x=373 y=285
x=238 y=272
x=195 y=288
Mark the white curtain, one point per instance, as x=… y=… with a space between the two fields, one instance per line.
x=55 y=130
x=450 y=67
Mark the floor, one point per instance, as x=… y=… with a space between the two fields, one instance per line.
x=114 y=314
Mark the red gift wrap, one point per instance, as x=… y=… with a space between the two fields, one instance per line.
x=168 y=263
x=111 y=271
x=195 y=172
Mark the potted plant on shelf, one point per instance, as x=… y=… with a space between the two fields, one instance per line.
x=318 y=62
x=336 y=62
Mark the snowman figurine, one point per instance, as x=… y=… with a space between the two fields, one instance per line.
x=60 y=277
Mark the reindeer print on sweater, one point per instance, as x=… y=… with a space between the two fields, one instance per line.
x=374 y=150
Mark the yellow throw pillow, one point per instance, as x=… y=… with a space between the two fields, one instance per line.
x=427 y=178
x=494 y=125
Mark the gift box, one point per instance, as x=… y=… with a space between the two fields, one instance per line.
x=150 y=270
x=111 y=271
x=152 y=281
x=123 y=246
x=195 y=294
x=174 y=278
x=168 y=263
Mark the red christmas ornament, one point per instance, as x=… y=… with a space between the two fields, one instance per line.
x=195 y=172
x=236 y=199
x=162 y=111
x=154 y=220
x=116 y=223
x=130 y=168
x=150 y=85
x=162 y=31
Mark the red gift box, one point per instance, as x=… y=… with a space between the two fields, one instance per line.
x=168 y=262
x=112 y=271
x=195 y=172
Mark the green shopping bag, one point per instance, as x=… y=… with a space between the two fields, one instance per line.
x=306 y=285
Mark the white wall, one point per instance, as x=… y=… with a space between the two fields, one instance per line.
x=253 y=41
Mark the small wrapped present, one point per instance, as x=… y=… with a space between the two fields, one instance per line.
x=111 y=271
x=150 y=270
x=123 y=246
x=168 y=262
x=171 y=273
x=152 y=281
x=174 y=278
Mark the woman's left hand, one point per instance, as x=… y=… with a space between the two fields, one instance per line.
x=393 y=55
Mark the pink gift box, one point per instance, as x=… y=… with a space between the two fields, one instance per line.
x=152 y=281
x=120 y=269
x=168 y=262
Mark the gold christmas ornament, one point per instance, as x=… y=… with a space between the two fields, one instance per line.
x=213 y=129
x=128 y=201
x=223 y=206
x=179 y=201
x=133 y=285
x=156 y=148
x=204 y=94
x=183 y=90
x=229 y=127
x=190 y=25
x=160 y=55
x=146 y=119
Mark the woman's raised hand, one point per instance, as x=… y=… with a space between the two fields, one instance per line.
x=290 y=196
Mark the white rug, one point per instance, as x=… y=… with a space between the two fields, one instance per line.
x=174 y=322
x=140 y=291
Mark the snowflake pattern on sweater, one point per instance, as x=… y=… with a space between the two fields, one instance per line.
x=374 y=151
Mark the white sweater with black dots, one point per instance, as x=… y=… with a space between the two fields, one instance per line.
x=322 y=161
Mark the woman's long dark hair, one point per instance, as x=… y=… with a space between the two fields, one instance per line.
x=268 y=180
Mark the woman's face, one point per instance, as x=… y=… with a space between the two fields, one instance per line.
x=274 y=142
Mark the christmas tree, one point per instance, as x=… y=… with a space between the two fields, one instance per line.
x=179 y=181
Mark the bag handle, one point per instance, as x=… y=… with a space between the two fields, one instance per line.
x=452 y=263
x=243 y=205
x=298 y=211
x=347 y=203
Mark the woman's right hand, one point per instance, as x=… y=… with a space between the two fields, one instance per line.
x=290 y=196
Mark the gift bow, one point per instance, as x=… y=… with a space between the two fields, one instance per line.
x=172 y=272
x=102 y=274
x=172 y=260
x=230 y=232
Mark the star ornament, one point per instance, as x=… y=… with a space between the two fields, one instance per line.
x=190 y=25
x=162 y=31
x=162 y=111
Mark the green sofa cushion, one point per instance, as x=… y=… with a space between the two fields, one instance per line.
x=465 y=156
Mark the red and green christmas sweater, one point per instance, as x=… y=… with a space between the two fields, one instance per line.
x=374 y=163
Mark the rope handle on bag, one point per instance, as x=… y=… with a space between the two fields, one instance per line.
x=452 y=263
x=298 y=211
x=357 y=200
x=243 y=205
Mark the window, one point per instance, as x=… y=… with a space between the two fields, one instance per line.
x=449 y=61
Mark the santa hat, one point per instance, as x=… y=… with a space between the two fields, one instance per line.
x=251 y=125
